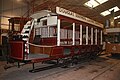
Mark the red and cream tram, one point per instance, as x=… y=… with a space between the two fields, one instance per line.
x=54 y=36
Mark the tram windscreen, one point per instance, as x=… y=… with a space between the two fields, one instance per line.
x=113 y=38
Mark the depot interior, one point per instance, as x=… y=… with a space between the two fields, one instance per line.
x=12 y=12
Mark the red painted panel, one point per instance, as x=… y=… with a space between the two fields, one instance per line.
x=17 y=49
x=49 y=41
x=57 y=51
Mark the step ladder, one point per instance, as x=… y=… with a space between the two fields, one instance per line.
x=26 y=31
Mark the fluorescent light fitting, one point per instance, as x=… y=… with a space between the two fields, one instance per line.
x=94 y=3
x=117 y=17
x=101 y=1
x=115 y=9
x=91 y=4
x=107 y=12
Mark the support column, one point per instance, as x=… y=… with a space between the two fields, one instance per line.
x=48 y=31
x=80 y=34
x=95 y=36
x=58 y=32
x=0 y=24
x=33 y=6
x=0 y=15
x=86 y=35
x=41 y=31
x=34 y=33
x=0 y=31
x=101 y=39
x=91 y=36
x=73 y=34
x=12 y=25
x=1 y=12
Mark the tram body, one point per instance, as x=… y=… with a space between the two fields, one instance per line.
x=112 y=41
x=53 y=36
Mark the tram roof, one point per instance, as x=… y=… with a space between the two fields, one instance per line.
x=67 y=13
x=42 y=13
x=70 y=14
x=112 y=30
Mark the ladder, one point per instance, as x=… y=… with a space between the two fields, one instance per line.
x=26 y=31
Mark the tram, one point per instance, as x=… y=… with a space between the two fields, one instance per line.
x=112 y=38
x=54 y=36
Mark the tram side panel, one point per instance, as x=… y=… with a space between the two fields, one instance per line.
x=17 y=50
x=113 y=48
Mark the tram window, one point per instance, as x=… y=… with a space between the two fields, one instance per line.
x=44 y=22
x=112 y=38
x=89 y=35
x=93 y=35
x=84 y=35
x=98 y=36
x=38 y=20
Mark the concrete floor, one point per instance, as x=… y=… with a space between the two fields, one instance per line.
x=102 y=68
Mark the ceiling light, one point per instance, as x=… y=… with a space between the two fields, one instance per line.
x=94 y=3
x=91 y=4
x=114 y=8
x=101 y=1
x=117 y=17
x=107 y=12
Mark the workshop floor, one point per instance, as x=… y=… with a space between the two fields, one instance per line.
x=103 y=68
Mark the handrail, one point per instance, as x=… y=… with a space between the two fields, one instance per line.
x=40 y=45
